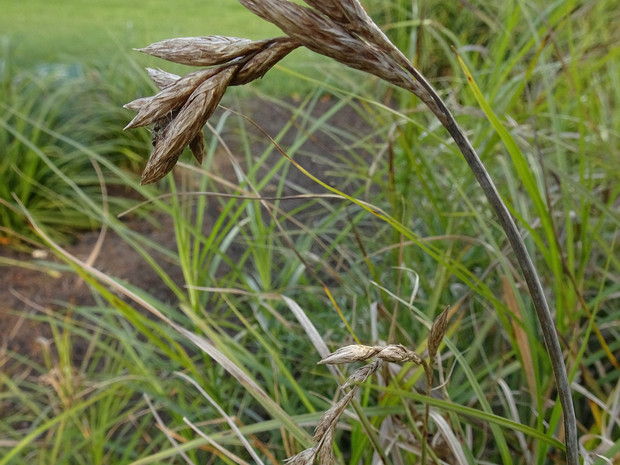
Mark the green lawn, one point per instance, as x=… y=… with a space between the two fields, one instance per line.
x=74 y=30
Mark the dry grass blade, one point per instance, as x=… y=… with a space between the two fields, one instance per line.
x=514 y=412
x=166 y=431
x=520 y=337
x=451 y=438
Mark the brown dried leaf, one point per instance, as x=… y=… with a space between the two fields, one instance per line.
x=202 y=51
x=520 y=335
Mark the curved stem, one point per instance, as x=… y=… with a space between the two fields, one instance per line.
x=532 y=279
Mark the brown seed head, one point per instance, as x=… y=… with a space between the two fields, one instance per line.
x=437 y=333
x=186 y=125
x=347 y=35
x=171 y=98
x=263 y=60
x=396 y=353
x=349 y=354
x=203 y=51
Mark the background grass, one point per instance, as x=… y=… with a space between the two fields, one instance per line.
x=247 y=318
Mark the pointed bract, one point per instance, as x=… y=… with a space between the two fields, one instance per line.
x=202 y=51
x=162 y=79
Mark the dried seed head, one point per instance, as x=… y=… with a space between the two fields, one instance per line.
x=437 y=333
x=348 y=354
x=305 y=457
x=396 y=353
x=263 y=60
x=343 y=12
x=138 y=104
x=170 y=98
x=203 y=51
x=323 y=35
x=361 y=374
x=186 y=125
x=329 y=419
x=197 y=146
x=184 y=104
x=352 y=15
x=333 y=9
x=340 y=29
x=326 y=448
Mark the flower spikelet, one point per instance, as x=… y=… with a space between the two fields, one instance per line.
x=183 y=105
x=396 y=353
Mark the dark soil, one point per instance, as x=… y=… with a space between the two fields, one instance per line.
x=26 y=293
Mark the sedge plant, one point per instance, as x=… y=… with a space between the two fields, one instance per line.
x=343 y=31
